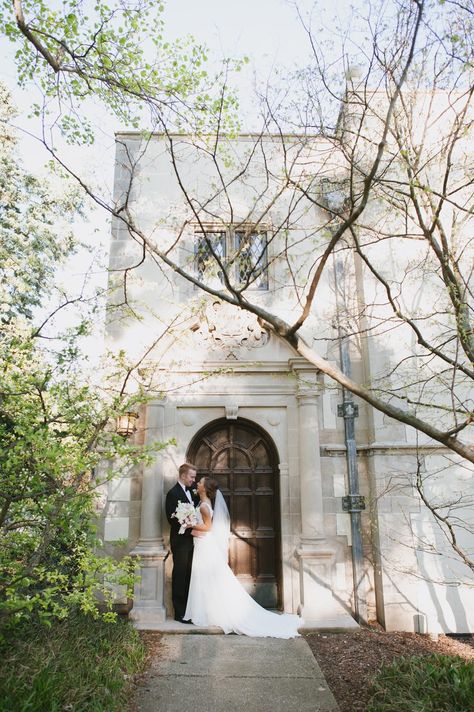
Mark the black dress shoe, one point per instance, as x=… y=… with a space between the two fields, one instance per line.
x=189 y=622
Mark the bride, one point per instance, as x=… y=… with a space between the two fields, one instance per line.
x=216 y=598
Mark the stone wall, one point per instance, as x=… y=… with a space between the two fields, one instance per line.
x=207 y=361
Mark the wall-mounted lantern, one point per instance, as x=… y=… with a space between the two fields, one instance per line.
x=126 y=424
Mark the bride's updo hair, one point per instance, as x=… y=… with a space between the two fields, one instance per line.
x=211 y=486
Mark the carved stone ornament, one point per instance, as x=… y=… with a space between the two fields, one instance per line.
x=273 y=419
x=231 y=412
x=230 y=328
x=188 y=418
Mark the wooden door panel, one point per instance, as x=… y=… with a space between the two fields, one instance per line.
x=244 y=463
x=243 y=436
x=264 y=482
x=203 y=456
x=219 y=437
x=224 y=480
x=242 y=482
x=241 y=514
x=264 y=519
x=220 y=459
x=260 y=454
x=265 y=554
x=241 y=459
x=241 y=557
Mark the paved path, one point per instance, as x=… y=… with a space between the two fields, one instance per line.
x=231 y=673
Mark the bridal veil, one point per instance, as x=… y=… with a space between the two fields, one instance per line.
x=221 y=524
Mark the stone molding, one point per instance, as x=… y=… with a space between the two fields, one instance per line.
x=307 y=397
x=395 y=448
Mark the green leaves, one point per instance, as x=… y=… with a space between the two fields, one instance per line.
x=54 y=427
x=35 y=233
x=52 y=436
x=431 y=684
x=74 y=664
x=118 y=57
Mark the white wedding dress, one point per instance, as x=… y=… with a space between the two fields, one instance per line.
x=216 y=598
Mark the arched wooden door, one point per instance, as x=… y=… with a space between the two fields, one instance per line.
x=242 y=458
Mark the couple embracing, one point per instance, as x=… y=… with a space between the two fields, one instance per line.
x=204 y=589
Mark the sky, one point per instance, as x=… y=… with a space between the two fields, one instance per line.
x=268 y=32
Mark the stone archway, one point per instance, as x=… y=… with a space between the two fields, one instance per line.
x=244 y=460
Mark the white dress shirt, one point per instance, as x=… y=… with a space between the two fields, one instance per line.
x=186 y=492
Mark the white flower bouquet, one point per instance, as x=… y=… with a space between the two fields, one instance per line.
x=186 y=516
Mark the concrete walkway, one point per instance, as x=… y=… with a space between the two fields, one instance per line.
x=231 y=673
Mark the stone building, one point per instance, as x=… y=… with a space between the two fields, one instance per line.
x=238 y=402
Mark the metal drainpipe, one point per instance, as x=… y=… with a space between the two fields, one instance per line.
x=353 y=502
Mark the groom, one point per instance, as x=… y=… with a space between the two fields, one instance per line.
x=181 y=544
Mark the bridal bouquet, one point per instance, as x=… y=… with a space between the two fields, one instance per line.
x=186 y=515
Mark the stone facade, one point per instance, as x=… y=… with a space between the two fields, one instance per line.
x=208 y=361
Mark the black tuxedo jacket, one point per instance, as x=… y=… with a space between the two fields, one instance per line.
x=175 y=495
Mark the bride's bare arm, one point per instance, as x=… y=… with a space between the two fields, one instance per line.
x=206 y=526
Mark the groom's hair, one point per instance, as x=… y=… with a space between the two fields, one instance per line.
x=185 y=468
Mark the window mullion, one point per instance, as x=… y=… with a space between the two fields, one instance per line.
x=231 y=263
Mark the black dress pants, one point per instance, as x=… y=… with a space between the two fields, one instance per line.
x=182 y=551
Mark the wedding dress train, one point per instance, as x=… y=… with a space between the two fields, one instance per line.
x=216 y=598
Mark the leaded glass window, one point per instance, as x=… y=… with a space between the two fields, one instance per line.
x=210 y=249
x=243 y=254
x=251 y=258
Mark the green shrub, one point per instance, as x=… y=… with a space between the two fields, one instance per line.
x=79 y=664
x=434 y=683
x=58 y=443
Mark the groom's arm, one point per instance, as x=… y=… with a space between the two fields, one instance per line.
x=170 y=505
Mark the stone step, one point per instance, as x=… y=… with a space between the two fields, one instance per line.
x=336 y=624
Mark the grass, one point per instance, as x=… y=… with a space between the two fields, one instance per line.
x=432 y=683
x=77 y=665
